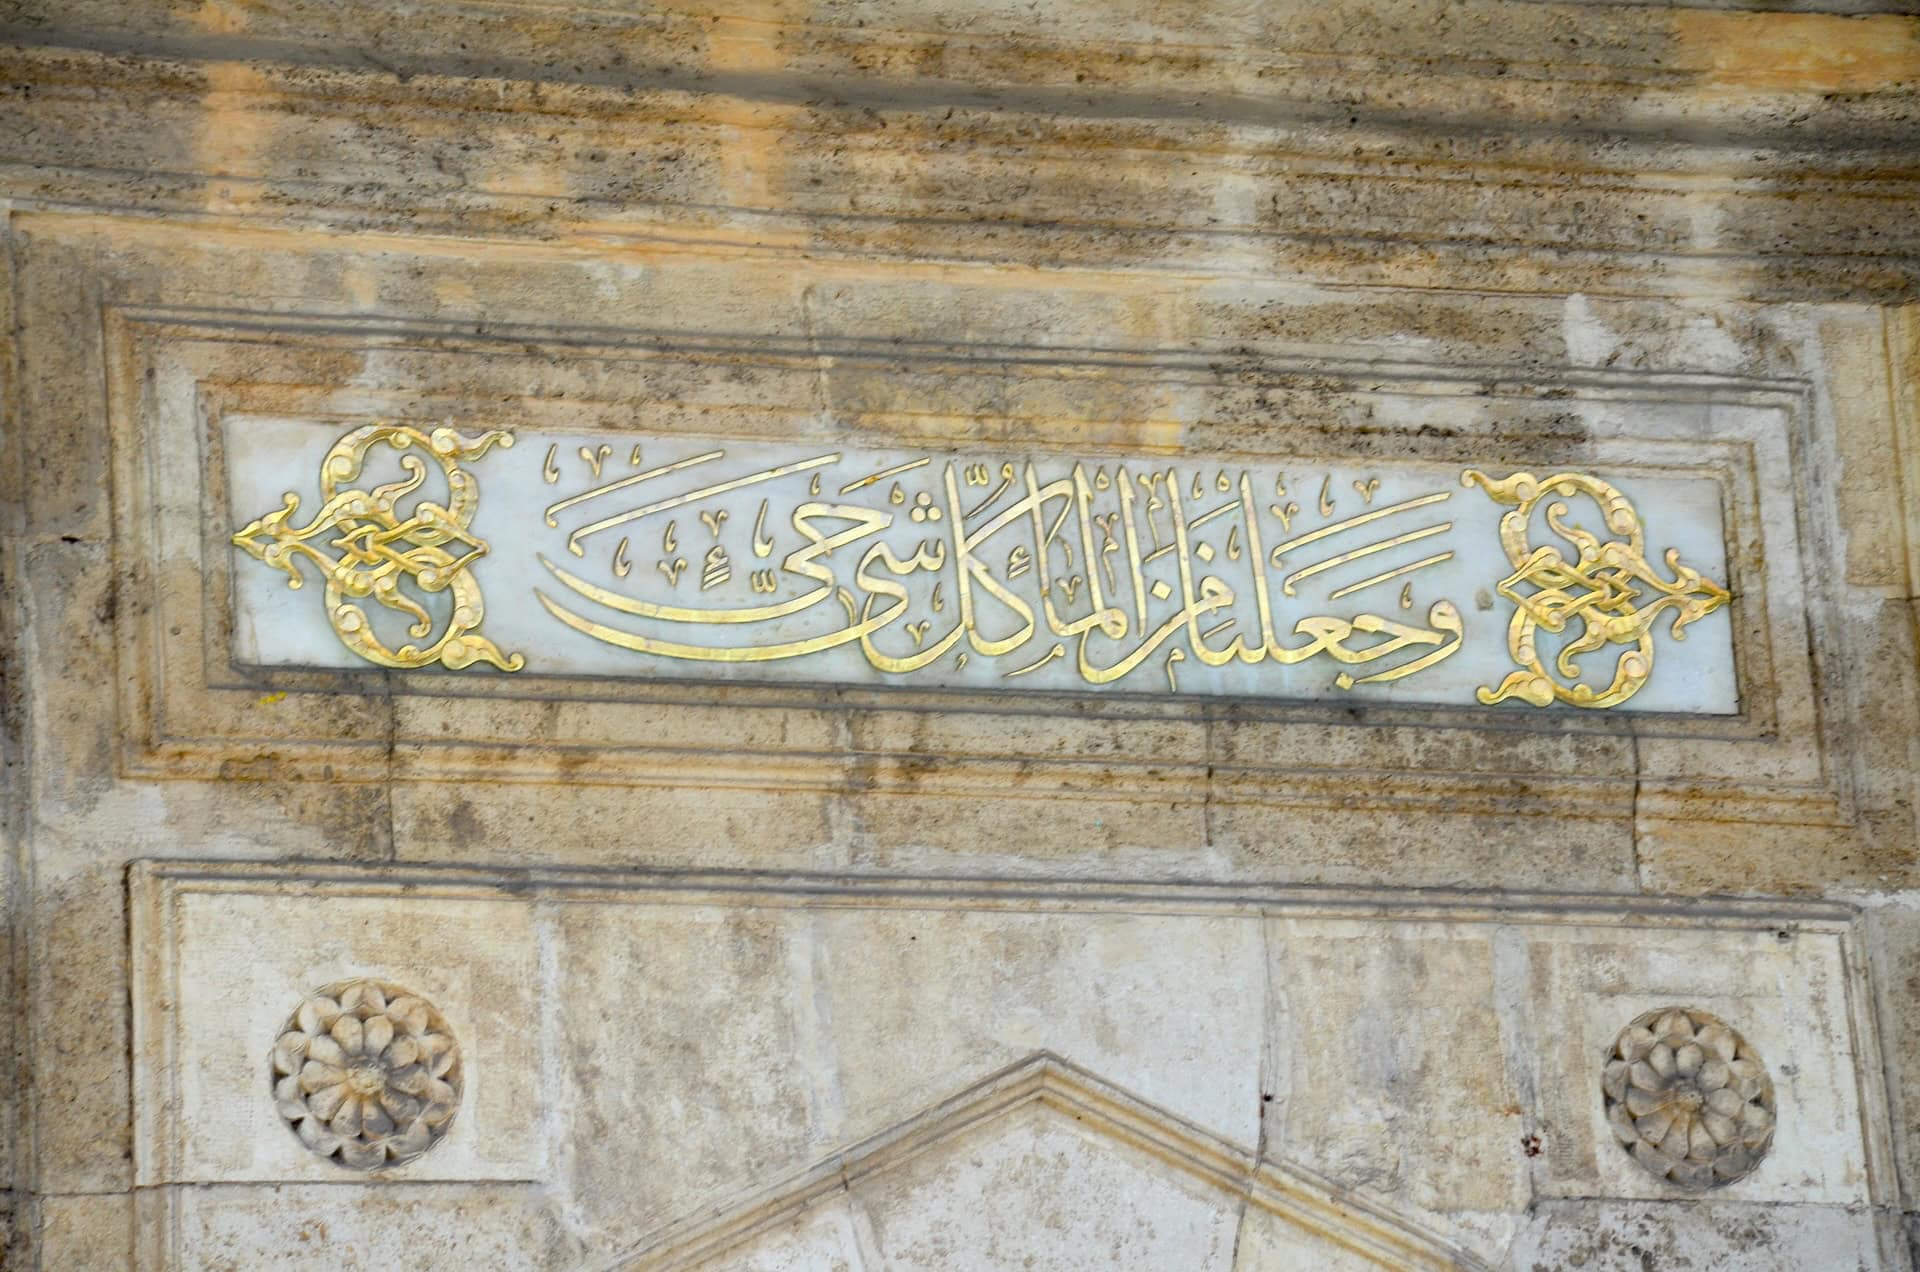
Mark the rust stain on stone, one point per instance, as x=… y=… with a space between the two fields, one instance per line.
x=221 y=17
x=235 y=133
x=1815 y=53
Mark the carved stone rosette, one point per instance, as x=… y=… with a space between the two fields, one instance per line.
x=367 y=1074
x=1688 y=1098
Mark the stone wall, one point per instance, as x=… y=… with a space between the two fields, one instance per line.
x=849 y=968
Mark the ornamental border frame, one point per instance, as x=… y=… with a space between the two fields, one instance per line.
x=159 y=752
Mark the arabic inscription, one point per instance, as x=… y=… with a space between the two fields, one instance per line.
x=677 y=556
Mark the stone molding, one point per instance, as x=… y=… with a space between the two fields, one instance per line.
x=1297 y=1197
x=1368 y=191
x=1775 y=676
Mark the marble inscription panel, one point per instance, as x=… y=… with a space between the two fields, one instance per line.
x=682 y=557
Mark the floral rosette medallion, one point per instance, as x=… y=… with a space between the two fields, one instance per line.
x=367 y=1074
x=1688 y=1098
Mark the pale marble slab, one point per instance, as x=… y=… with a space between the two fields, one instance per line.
x=244 y=961
x=708 y=558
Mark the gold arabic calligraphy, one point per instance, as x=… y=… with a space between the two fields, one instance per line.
x=383 y=546
x=1080 y=573
x=1104 y=569
x=1601 y=588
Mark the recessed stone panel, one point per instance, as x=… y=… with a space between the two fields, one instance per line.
x=241 y=960
x=691 y=1065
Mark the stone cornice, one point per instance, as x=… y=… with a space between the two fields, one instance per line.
x=1640 y=157
x=1587 y=69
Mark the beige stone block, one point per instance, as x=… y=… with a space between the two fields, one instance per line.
x=1118 y=737
x=13 y=1017
x=569 y=735
x=296 y=1226
x=86 y=1232
x=1104 y=830
x=1467 y=329
x=1894 y=948
x=1388 y=1070
x=1785 y=990
x=1903 y=349
x=1437 y=846
x=70 y=602
x=1701 y=856
x=1555 y=759
x=78 y=963
x=58 y=336
x=1166 y=1007
x=237 y=820
x=1625 y=1236
x=1028 y=1191
x=1886 y=746
x=221 y=972
x=690 y=1057
x=666 y=827
x=1855 y=346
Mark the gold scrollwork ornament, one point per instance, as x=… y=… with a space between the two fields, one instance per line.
x=429 y=546
x=1604 y=587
